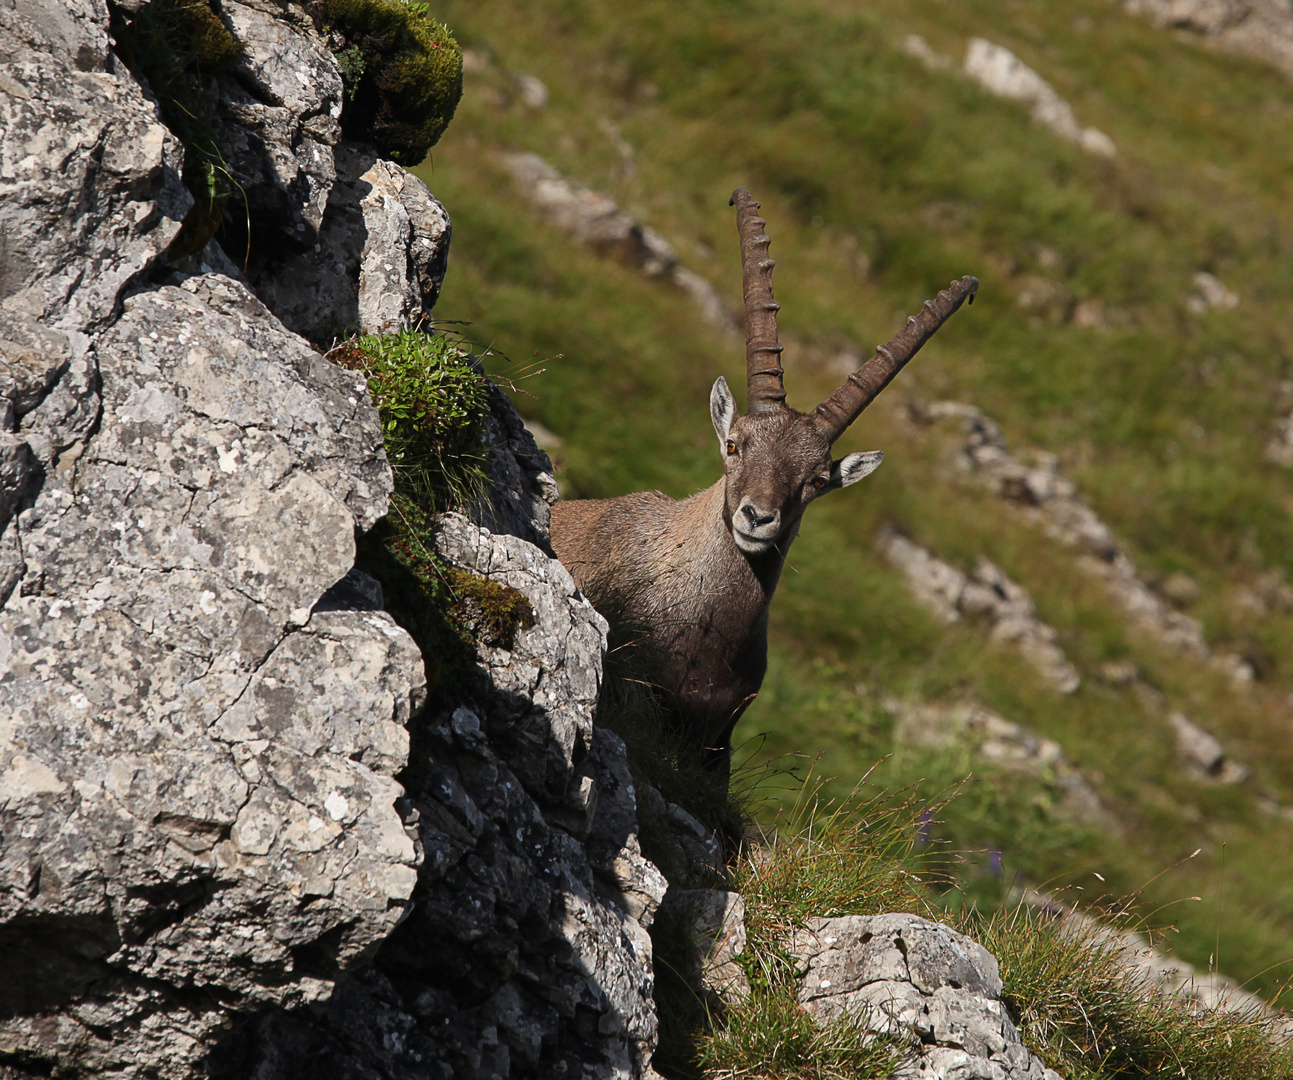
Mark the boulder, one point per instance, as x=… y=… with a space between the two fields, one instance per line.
x=920 y=981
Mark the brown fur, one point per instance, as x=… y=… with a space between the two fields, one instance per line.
x=675 y=570
x=695 y=578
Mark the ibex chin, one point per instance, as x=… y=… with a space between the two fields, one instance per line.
x=697 y=576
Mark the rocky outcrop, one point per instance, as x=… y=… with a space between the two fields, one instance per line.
x=1001 y=72
x=919 y=981
x=1201 y=754
x=1041 y=494
x=712 y=923
x=595 y=220
x=1156 y=971
x=1002 y=744
x=1262 y=29
x=525 y=952
x=988 y=594
x=209 y=809
x=198 y=789
x=377 y=261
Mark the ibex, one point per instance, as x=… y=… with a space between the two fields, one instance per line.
x=698 y=575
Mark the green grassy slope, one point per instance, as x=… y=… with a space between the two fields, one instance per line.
x=881 y=180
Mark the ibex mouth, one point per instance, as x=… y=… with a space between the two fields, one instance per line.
x=751 y=544
x=754 y=530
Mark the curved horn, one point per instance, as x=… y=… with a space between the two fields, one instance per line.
x=763 y=370
x=844 y=406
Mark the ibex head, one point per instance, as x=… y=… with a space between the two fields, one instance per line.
x=777 y=460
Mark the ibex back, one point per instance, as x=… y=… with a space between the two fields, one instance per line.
x=697 y=576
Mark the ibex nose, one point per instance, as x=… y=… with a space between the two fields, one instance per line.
x=755 y=517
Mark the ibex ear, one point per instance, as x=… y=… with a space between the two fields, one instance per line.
x=851 y=468
x=722 y=409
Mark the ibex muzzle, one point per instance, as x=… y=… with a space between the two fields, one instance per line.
x=697 y=576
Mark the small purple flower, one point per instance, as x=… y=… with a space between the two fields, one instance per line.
x=922 y=831
x=994 y=862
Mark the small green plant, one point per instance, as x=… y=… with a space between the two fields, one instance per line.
x=353 y=65
x=402 y=72
x=495 y=611
x=432 y=402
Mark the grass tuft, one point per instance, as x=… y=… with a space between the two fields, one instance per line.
x=1089 y=1015
x=432 y=402
x=772 y=1036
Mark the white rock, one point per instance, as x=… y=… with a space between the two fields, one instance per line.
x=1001 y=72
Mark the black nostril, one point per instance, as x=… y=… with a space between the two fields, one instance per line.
x=754 y=517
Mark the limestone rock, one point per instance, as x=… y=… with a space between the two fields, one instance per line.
x=196 y=771
x=998 y=70
x=1202 y=754
x=922 y=50
x=714 y=925
x=1262 y=29
x=1005 y=745
x=697 y=852
x=1209 y=294
x=278 y=118
x=81 y=219
x=907 y=976
x=376 y=262
x=521 y=489
x=174 y=698
x=526 y=951
x=595 y=220
x=592 y=217
x=1043 y=495
x=1161 y=973
x=987 y=593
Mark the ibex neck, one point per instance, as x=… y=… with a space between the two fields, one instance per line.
x=710 y=507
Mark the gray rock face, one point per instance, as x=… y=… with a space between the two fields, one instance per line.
x=526 y=951
x=197 y=793
x=278 y=118
x=1262 y=29
x=375 y=262
x=715 y=925
x=198 y=773
x=203 y=710
x=86 y=212
x=521 y=489
x=904 y=975
x=1160 y=974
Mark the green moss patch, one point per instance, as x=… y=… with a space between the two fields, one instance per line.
x=402 y=71
x=493 y=610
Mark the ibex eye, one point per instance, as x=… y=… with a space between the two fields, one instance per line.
x=819 y=482
x=731 y=447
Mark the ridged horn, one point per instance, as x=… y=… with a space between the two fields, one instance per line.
x=844 y=406
x=763 y=370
